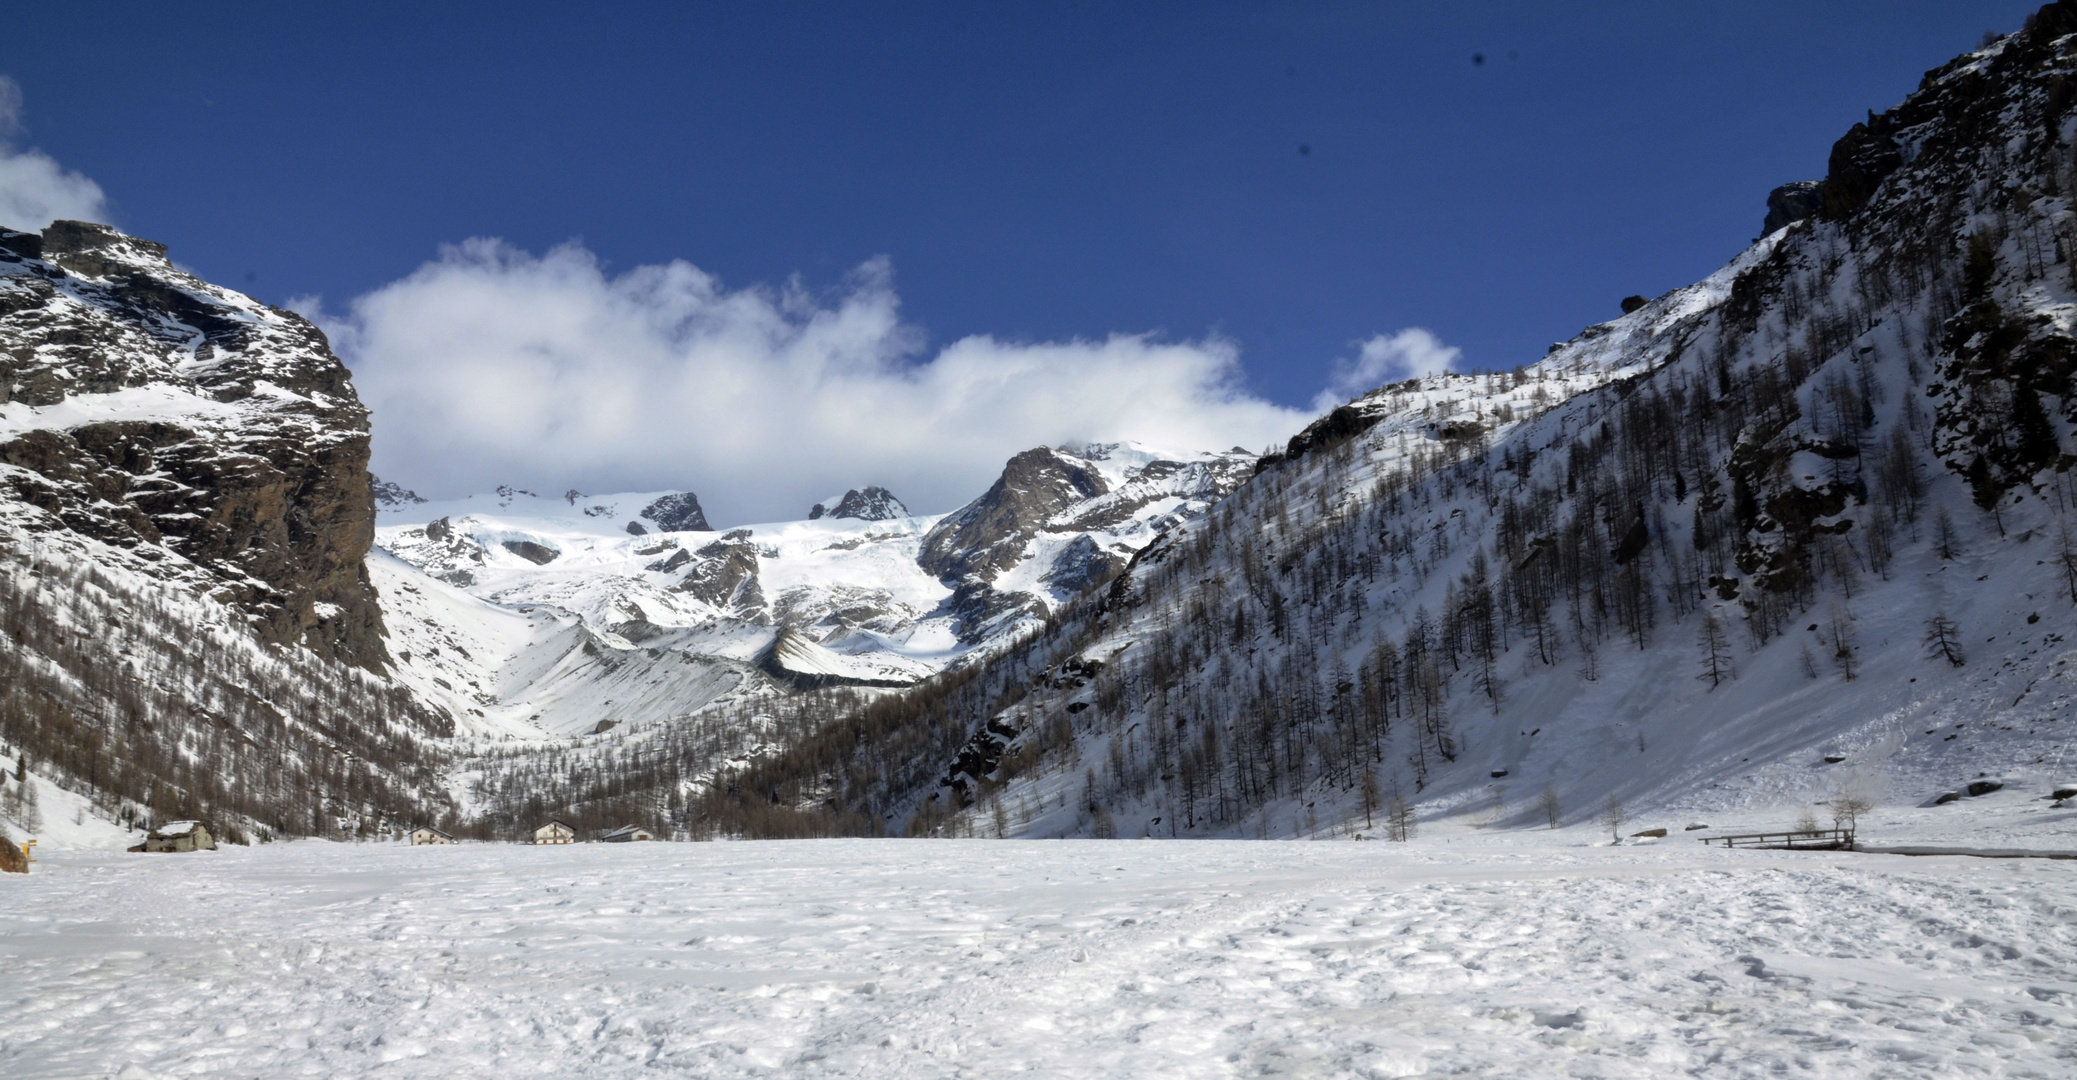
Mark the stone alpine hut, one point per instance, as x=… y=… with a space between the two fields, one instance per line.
x=178 y=836
x=555 y=832
x=426 y=834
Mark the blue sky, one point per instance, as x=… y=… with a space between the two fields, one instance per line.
x=1288 y=180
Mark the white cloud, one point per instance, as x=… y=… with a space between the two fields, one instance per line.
x=490 y=365
x=1410 y=353
x=34 y=189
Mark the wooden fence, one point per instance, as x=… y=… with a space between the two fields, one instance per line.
x=1820 y=840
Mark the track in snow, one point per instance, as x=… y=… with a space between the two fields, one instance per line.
x=1527 y=955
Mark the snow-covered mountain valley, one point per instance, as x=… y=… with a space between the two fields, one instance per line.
x=1796 y=536
x=1508 y=658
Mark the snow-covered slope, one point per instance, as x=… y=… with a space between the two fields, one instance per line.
x=1799 y=533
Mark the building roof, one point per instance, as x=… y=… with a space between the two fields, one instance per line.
x=174 y=828
x=430 y=829
x=626 y=829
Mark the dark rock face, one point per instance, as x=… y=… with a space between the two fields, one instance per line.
x=989 y=534
x=391 y=495
x=637 y=631
x=982 y=609
x=20 y=245
x=634 y=528
x=1791 y=203
x=240 y=446
x=981 y=755
x=678 y=513
x=1082 y=563
x=1337 y=427
x=538 y=554
x=724 y=574
x=1046 y=493
x=671 y=562
x=1861 y=160
x=872 y=504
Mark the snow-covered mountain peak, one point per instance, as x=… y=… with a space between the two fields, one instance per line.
x=868 y=504
x=856 y=595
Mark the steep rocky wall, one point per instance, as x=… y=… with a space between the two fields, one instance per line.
x=148 y=409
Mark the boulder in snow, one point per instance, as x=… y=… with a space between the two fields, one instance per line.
x=538 y=554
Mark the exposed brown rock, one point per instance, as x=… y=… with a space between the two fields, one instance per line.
x=272 y=496
x=724 y=574
x=989 y=534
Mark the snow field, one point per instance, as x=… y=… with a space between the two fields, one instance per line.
x=1515 y=954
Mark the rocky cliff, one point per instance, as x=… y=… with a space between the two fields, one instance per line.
x=185 y=513
x=1059 y=520
x=151 y=410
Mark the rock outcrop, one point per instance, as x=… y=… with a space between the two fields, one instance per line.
x=989 y=534
x=872 y=504
x=1061 y=507
x=1791 y=203
x=156 y=412
x=389 y=494
x=676 y=513
x=724 y=574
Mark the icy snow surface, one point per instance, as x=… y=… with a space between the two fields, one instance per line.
x=1517 y=954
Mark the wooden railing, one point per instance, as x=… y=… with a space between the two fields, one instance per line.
x=1817 y=840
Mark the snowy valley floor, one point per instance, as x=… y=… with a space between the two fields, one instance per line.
x=1516 y=954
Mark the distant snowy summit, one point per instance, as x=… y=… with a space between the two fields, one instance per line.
x=677 y=512
x=872 y=504
x=863 y=592
x=392 y=496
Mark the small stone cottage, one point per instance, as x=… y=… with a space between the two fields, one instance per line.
x=628 y=833
x=179 y=836
x=555 y=832
x=426 y=834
